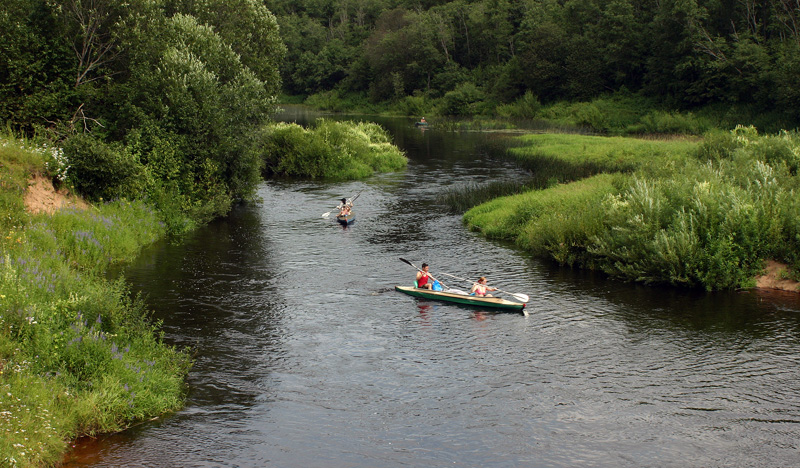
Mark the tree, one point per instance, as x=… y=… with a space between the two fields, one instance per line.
x=35 y=66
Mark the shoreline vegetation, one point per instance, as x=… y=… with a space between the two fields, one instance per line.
x=614 y=114
x=79 y=354
x=328 y=150
x=162 y=123
x=675 y=202
x=709 y=214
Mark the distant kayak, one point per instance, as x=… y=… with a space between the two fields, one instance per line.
x=421 y=124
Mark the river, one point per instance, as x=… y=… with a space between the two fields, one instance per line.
x=306 y=356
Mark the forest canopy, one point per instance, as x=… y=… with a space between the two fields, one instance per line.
x=735 y=54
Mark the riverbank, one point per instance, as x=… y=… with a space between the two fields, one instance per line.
x=711 y=215
x=78 y=355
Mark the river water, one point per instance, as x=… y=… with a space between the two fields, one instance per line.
x=306 y=356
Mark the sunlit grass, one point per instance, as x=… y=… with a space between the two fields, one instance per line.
x=607 y=154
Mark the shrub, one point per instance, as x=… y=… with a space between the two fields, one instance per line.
x=102 y=171
x=330 y=149
x=465 y=99
x=670 y=123
x=416 y=105
x=526 y=107
x=706 y=225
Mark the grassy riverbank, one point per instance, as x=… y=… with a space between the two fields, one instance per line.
x=78 y=356
x=697 y=214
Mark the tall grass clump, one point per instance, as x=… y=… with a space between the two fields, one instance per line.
x=556 y=222
x=526 y=107
x=78 y=355
x=711 y=225
x=670 y=123
x=329 y=149
x=708 y=221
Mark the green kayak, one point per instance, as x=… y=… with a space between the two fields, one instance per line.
x=493 y=302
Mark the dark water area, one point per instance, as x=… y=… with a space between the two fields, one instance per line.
x=306 y=356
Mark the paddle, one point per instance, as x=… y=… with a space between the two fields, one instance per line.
x=325 y=215
x=518 y=296
x=406 y=261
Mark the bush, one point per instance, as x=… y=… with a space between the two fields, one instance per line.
x=330 y=149
x=708 y=222
x=465 y=99
x=417 y=105
x=102 y=171
x=526 y=107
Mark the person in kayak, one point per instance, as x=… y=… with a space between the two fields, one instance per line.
x=345 y=207
x=481 y=289
x=424 y=279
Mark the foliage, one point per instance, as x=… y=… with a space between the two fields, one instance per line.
x=526 y=107
x=145 y=95
x=78 y=354
x=708 y=218
x=329 y=149
x=102 y=171
x=36 y=66
x=710 y=225
x=679 y=56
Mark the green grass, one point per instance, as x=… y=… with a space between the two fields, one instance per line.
x=544 y=220
x=555 y=158
x=590 y=154
x=692 y=214
x=78 y=355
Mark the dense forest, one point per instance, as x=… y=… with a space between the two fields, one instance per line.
x=740 y=56
x=157 y=98
x=169 y=98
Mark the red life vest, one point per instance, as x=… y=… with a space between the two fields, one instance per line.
x=423 y=280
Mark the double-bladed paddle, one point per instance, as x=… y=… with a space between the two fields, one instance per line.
x=518 y=296
x=326 y=214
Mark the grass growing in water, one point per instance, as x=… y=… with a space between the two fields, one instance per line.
x=587 y=155
x=559 y=158
x=78 y=355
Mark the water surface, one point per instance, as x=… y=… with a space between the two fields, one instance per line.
x=307 y=357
